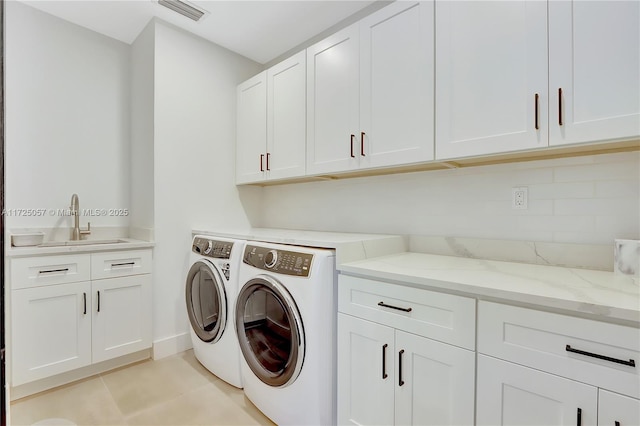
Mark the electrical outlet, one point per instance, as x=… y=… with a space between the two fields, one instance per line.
x=519 y=197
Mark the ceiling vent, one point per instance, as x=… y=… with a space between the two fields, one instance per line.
x=184 y=8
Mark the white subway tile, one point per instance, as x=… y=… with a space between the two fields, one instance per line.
x=595 y=206
x=618 y=188
x=561 y=190
x=599 y=171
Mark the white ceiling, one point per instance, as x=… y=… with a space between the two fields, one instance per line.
x=259 y=30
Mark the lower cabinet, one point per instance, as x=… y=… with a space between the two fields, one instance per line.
x=51 y=330
x=121 y=316
x=59 y=326
x=387 y=376
x=510 y=394
x=617 y=410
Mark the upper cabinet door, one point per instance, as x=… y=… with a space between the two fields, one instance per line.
x=251 y=138
x=594 y=71
x=396 y=85
x=332 y=100
x=491 y=77
x=286 y=118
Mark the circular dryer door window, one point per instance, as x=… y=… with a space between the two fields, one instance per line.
x=206 y=301
x=270 y=331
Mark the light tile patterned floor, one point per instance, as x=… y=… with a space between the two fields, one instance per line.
x=172 y=391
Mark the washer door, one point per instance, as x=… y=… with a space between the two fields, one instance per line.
x=206 y=301
x=270 y=331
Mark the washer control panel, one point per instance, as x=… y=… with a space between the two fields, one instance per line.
x=212 y=248
x=278 y=261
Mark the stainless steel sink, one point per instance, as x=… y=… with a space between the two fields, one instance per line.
x=80 y=243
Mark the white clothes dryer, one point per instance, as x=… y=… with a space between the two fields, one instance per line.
x=286 y=324
x=211 y=290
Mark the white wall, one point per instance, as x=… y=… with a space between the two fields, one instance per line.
x=591 y=199
x=67 y=118
x=142 y=123
x=194 y=158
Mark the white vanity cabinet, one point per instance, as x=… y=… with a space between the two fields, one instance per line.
x=271 y=138
x=537 y=367
x=397 y=362
x=521 y=75
x=121 y=314
x=66 y=313
x=370 y=92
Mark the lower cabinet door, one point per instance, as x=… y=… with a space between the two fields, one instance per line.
x=510 y=394
x=121 y=316
x=435 y=382
x=617 y=410
x=51 y=330
x=366 y=379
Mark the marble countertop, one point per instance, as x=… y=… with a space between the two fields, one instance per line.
x=599 y=294
x=125 y=244
x=349 y=246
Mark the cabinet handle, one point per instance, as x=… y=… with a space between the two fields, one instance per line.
x=579 y=417
x=261 y=159
x=84 y=296
x=384 y=361
x=98 y=300
x=394 y=307
x=352 y=137
x=617 y=423
x=537 y=126
x=113 y=265
x=630 y=363
x=268 y=155
x=560 y=106
x=362 y=143
x=53 y=271
x=400 y=381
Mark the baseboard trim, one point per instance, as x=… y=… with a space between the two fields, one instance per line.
x=171 y=345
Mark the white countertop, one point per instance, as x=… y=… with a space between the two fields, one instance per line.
x=127 y=244
x=349 y=246
x=599 y=294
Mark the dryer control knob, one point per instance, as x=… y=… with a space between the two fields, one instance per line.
x=209 y=247
x=270 y=259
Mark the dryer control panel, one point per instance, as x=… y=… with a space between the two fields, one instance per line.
x=212 y=248
x=278 y=261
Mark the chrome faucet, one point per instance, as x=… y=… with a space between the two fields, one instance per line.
x=75 y=211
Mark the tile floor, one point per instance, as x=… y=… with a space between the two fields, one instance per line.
x=172 y=391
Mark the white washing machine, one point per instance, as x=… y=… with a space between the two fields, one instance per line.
x=286 y=324
x=211 y=290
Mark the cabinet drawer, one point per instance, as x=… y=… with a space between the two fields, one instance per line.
x=120 y=263
x=48 y=270
x=602 y=354
x=443 y=317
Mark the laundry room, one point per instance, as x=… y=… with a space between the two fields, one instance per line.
x=346 y=212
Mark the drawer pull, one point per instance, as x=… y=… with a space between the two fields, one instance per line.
x=84 y=297
x=630 y=363
x=352 y=137
x=536 y=124
x=394 y=307
x=53 y=271
x=98 y=301
x=384 y=361
x=560 y=107
x=400 y=381
x=113 y=265
x=362 y=143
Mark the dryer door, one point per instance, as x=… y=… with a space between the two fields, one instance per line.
x=270 y=331
x=206 y=301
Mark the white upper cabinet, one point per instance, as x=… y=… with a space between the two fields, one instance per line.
x=396 y=85
x=370 y=92
x=286 y=115
x=491 y=77
x=271 y=123
x=332 y=102
x=252 y=129
x=594 y=71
